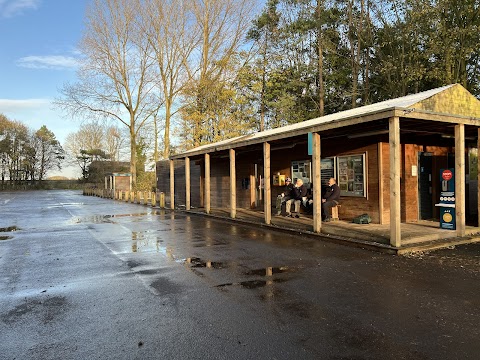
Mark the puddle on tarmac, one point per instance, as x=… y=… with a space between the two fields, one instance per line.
x=196 y=262
x=269 y=271
x=253 y=284
x=147 y=241
x=98 y=219
x=149 y=272
x=9 y=228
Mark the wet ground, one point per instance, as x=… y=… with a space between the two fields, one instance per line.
x=91 y=278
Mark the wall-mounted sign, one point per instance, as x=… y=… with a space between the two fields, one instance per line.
x=447 y=199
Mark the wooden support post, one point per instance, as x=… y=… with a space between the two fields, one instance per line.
x=187 y=183
x=317 y=185
x=253 y=188
x=395 y=213
x=380 y=182
x=478 y=176
x=172 y=185
x=154 y=199
x=460 y=179
x=267 y=197
x=233 y=187
x=207 y=184
x=162 y=200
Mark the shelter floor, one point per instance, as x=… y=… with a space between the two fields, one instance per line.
x=416 y=236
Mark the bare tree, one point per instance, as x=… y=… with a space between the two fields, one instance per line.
x=88 y=137
x=171 y=37
x=114 y=142
x=222 y=28
x=116 y=80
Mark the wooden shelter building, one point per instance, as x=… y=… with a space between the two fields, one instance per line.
x=387 y=158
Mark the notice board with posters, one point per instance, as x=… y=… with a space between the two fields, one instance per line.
x=352 y=175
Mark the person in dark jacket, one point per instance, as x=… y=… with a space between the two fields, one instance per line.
x=299 y=193
x=330 y=198
x=285 y=195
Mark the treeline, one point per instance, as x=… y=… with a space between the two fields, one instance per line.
x=204 y=71
x=27 y=154
x=318 y=57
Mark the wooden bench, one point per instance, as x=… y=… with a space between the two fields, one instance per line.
x=334 y=216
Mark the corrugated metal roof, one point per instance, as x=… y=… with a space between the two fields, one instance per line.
x=401 y=102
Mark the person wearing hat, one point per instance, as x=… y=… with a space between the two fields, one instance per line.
x=285 y=195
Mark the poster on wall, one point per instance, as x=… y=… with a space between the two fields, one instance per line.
x=351 y=175
x=302 y=170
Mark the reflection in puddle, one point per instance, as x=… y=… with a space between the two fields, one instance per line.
x=9 y=228
x=107 y=218
x=269 y=271
x=6 y=237
x=253 y=284
x=96 y=219
x=147 y=241
x=196 y=262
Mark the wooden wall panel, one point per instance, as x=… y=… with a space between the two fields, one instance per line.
x=220 y=182
x=163 y=182
x=245 y=170
x=122 y=183
x=354 y=206
x=409 y=183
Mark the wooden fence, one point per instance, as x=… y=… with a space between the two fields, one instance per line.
x=149 y=198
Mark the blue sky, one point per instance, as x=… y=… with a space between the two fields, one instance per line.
x=38 y=40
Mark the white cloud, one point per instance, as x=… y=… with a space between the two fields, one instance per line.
x=8 y=105
x=48 y=62
x=10 y=8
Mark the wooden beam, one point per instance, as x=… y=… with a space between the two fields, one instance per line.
x=267 y=198
x=207 y=183
x=438 y=117
x=233 y=185
x=298 y=130
x=172 y=184
x=395 y=213
x=317 y=185
x=187 y=184
x=313 y=126
x=460 y=179
x=380 y=181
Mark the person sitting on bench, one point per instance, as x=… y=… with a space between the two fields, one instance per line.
x=299 y=193
x=285 y=195
x=330 y=198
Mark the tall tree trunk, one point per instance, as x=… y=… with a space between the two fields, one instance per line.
x=166 y=139
x=264 y=82
x=352 y=54
x=133 y=155
x=321 y=85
